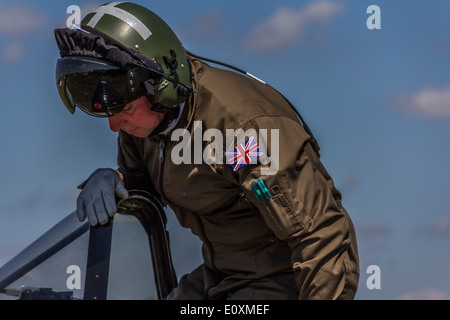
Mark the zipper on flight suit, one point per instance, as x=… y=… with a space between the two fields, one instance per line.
x=242 y=198
x=206 y=242
x=162 y=147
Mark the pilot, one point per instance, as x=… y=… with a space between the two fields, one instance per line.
x=226 y=152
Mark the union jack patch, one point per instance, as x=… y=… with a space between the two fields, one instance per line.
x=243 y=154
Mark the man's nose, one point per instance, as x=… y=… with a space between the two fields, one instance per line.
x=116 y=122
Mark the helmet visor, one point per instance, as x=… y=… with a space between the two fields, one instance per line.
x=97 y=88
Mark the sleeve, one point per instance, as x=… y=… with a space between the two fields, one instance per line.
x=131 y=165
x=304 y=209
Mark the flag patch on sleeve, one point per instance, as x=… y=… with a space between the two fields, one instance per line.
x=243 y=154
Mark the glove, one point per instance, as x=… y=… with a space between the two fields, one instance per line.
x=97 y=199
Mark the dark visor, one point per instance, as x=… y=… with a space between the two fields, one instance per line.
x=97 y=88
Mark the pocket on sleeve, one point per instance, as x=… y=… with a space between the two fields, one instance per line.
x=283 y=213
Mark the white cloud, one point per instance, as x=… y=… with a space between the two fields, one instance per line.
x=425 y=294
x=439 y=227
x=433 y=102
x=430 y=102
x=442 y=226
x=207 y=26
x=287 y=25
x=12 y=52
x=20 y=19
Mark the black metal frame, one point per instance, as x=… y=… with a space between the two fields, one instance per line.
x=149 y=211
x=97 y=269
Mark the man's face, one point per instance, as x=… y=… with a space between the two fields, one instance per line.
x=136 y=119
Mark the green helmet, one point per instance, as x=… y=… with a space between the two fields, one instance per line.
x=139 y=32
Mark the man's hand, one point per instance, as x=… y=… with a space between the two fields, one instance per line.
x=97 y=200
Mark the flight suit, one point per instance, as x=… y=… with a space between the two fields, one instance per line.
x=286 y=236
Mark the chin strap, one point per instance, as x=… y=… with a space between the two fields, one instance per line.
x=171 y=115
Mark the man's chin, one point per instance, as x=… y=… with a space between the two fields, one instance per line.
x=141 y=134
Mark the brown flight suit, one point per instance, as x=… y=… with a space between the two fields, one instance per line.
x=298 y=244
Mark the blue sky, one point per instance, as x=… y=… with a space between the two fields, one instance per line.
x=378 y=102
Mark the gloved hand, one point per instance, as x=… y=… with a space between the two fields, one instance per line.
x=97 y=200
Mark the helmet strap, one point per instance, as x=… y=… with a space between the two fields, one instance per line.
x=171 y=115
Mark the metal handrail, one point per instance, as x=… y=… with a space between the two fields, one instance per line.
x=149 y=211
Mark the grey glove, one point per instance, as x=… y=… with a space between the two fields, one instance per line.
x=97 y=200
